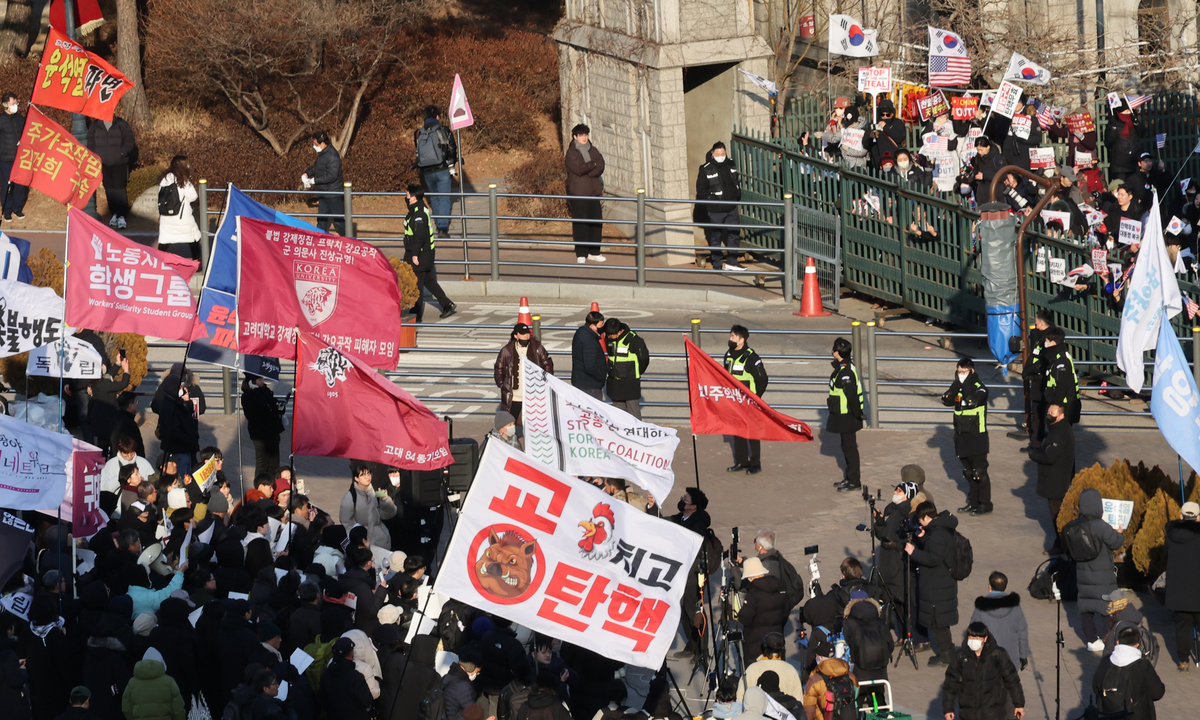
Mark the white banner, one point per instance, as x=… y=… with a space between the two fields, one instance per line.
x=561 y=557
x=1152 y=287
x=1006 y=100
x=29 y=317
x=80 y=360
x=574 y=432
x=33 y=465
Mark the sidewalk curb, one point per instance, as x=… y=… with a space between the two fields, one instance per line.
x=593 y=291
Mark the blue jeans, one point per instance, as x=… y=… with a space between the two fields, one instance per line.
x=183 y=463
x=11 y=201
x=440 y=182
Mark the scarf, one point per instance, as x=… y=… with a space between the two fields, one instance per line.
x=1126 y=126
x=43 y=630
x=585 y=150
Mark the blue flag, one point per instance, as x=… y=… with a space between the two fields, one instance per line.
x=1175 y=402
x=222 y=268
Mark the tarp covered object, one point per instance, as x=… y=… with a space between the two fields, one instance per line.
x=998 y=265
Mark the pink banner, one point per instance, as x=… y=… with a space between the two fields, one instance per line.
x=86 y=516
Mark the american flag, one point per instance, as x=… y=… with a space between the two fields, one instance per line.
x=949 y=71
x=1137 y=101
x=935 y=142
x=1045 y=114
x=1192 y=307
x=1160 y=140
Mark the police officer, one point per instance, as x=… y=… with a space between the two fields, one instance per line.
x=718 y=180
x=845 y=411
x=968 y=396
x=419 y=252
x=628 y=358
x=1062 y=384
x=744 y=364
x=1035 y=372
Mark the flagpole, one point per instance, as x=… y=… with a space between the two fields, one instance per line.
x=1184 y=164
x=687 y=362
x=61 y=404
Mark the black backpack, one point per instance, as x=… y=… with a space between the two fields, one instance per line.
x=1041 y=586
x=873 y=652
x=793 y=584
x=839 y=698
x=1079 y=541
x=963 y=558
x=169 y=202
x=1116 y=692
x=433 y=705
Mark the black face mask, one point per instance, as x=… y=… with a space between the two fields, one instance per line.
x=733 y=345
x=680 y=505
x=522 y=343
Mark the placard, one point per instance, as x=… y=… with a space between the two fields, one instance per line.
x=1100 y=260
x=1021 y=126
x=933 y=105
x=875 y=80
x=963 y=107
x=1058 y=269
x=1081 y=122
x=1040 y=262
x=1041 y=158
x=1008 y=98
x=852 y=138
x=1083 y=159
x=1130 y=232
x=1117 y=513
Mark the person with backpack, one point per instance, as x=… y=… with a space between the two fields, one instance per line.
x=176 y=222
x=543 y=702
x=585 y=166
x=1182 y=553
x=1001 y=612
x=1056 y=466
x=870 y=644
x=764 y=610
x=933 y=551
x=364 y=505
x=778 y=566
x=456 y=692
x=968 y=396
x=437 y=155
x=325 y=175
x=830 y=693
x=1090 y=542
x=1126 y=681
x=344 y=693
x=981 y=680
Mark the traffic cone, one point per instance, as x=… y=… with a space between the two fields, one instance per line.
x=603 y=340
x=595 y=307
x=523 y=312
x=810 y=298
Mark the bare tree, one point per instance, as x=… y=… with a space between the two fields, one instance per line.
x=19 y=30
x=285 y=66
x=135 y=106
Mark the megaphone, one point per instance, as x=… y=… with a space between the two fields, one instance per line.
x=152 y=559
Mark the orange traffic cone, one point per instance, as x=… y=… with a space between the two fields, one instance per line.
x=810 y=298
x=603 y=340
x=523 y=312
x=595 y=307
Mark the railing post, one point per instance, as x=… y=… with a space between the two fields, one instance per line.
x=204 y=239
x=789 y=249
x=348 y=208
x=494 y=230
x=227 y=390
x=537 y=327
x=696 y=331
x=641 y=237
x=873 y=373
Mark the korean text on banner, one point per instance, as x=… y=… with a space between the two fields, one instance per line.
x=86 y=463
x=75 y=80
x=1008 y=97
x=1130 y=231
x=1174 y=401
x=562 y=558
x=1080 y=122
x=933 y=105
x=214 y=339
x=346 y=409
x=78 y=360
x=340 y=289
x=1152 y=298
x=32 y=317
x=117 y=285
x=33 y=465
x=1041 y=158
x=15 y=535
x=722 y=405
x=963 y=107
x=574 y=432
x=50 y=160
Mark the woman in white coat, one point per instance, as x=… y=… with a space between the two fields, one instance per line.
x=178 y=229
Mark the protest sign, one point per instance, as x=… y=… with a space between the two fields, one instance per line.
x=73 y=79
x=29 y=317
x=1080 y=122
x=852 y=138
x=1117 y=512
x=963 y=107
x=1130 y=232
x=1020 y=127
x=78 y=360
x=933 y=105
x=1041 y=158
x=50 y=160
x=1008 y=98
x=33 y=465
x=1058 y=269
x=875 y=80
x=1100 y=260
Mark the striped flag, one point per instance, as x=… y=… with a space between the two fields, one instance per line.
x=1192 y=307
x=934 y=142
x=1160 y=140
x=1045 y=114
x=949 y=64
x=1137 y=101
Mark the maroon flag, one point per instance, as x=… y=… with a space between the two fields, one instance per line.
x=722 y=405
x=86 y=463
x=339 y=289
x=344 y=408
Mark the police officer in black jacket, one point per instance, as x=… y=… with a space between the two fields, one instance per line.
x=1034 y=372
x=718 y=180
x=419 y=252
x=846 y=411
x=968 y=396
x=744 y=364
x=1062 y=384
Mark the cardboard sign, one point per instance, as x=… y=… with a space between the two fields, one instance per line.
x=963 y=107
x=1100 y=260
x=933 y=105
x=1058 y=270
x=852 y=138
x=1081 y=122
x=1008 y=99
x=1130 y=232
x=1041 y=158
x=1020 y=127
x=946 y=166
x=875 y=80
x=1083 y=159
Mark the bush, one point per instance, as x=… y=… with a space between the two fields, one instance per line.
x=1116 y=483
x=542 y=174
x=1148 y=546
x=407 y=280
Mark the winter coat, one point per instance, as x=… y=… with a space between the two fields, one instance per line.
x=363 y=508
x=1005 y=622
x=583 y=176
x=589 y=364
x=102 y=407
x=1056 y=460
x=181 y=227
x=1058 y=365
x=504 y=660
x=789 y=677
x=937 y=590
x=1097 y=577
x=414 y=684
x=175 y=641
x=737 y=360
x=366 y=660
x=266 y=707
x=890 y=554
x=344 y=693
x=147 y=600
x=814 y=689
x=969 y=440
x=718 y=181
x=1182 y=553
x=764 y=611
x=113 y=144
x=1147 y=686
x=1016 y=149
x=891 y=138
x=236 y=641
x=50 y=661
x=1122 y=152
x=106 y=671
x=152 y=694
x=988 y=165
x=622 y=385
x=457 y=689
x=843 y=377
x=507 y=368
x=177 y=418
x=326 y=172
x=853 y=157
x=368 y=598
x=11 y=128
x=543 y=704
x=867 y=633
x=263 y=421
x=981 y=684
x=1086 y=143
x=124 y=424
x=304 y=625
x=14 y=703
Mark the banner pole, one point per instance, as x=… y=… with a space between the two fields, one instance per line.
x=687 y=362
x=63 y=344
x=1182 y=486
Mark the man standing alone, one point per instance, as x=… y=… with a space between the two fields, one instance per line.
x=1182 y=553
x=325 y=175
x=585 y=165
x=744 y=364
x=845 y=411
x=509 y=372
x=589 y=367
x=12 y=124
x=718 y=180
x=437 y=154
x=115 y=144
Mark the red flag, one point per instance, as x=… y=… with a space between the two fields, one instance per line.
x=49 y=159
x=305 y=280
x=343 y=408
x=75 y=80
x=86 y=463
x=87 y=15
x=722 y=405
x=117 y=285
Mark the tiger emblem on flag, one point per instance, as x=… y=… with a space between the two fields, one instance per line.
x=316 y=289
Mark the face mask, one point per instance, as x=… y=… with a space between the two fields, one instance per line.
x=394 y=480
x=11 y=109
x=316 y=148
x=887 y=168
x=962 y=377
x=975 y=644
x=1049 y=172
x=732 y=345
x=522 y=343
x=719 y=158
x=897 y=499
x=903 y=164
x=473 y=675
x=508 y=431
x=680 y=505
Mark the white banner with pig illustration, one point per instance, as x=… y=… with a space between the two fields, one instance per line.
x=561 y=557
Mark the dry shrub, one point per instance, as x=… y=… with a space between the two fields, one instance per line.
x=1116 y=483
x=542 y=174
x=1148 y=546
x=406 y=279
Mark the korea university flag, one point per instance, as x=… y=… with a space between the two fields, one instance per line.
x=1175 y=402
x=1152 y=287
x=562 y=558
x=847 y=36
x=574 y=432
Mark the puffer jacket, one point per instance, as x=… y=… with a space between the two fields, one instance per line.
x=1182 y=553
x=1097 y=577
x=979 y=683
x=363 y=508
x=11 y=127
x=937 y=590
x=718 y=181
x=765 y=611
x=152 y=694
x=106 y=672
x=867 y=635
x=326 y=172
x=507 y=371
x=113 y=144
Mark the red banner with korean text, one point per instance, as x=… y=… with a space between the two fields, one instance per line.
x=722 y=405
x=49 y=159
x=75 y=80
x=86 y=463
x=340 y=289
x=344 y=408
x=117 y=285
x=562 y=558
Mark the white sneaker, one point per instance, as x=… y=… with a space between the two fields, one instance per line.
x=735 y=268
x=1095 y=646
x=121 y=225
x=580 y=260
x=596 y=258
x=112 y=221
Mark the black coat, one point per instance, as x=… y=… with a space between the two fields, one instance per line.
x=417 y=680
x=1182 y=553
x=304 y=625
x=102 y=408
x=626 y=387
x=1147 y=686
x=11 y=127
x=457 y=689
x=263 y=420
x=968 y=439
x=1122 y=152
x=14 y=704
x=504 y=660
x=106 y=672
x=937 y=590
x=890 y=554
x=844 y=377
x=344 y=692
x=326 y=172
x=753 y=364
x=1056 y=460
x=370 y=599
x=718 y=181
x=981 y=684
x=236 y=641
x=1034 y=371
x=177 y=644
x=125 y=425
x=176 y=417
x=589 y=365
x=1057 y=363
x=114 y=145
x=1016 y=149
x=765 y=611
x=52 y=672
x=1097 y=577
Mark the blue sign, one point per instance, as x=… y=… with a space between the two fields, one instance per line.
x=1175 y=402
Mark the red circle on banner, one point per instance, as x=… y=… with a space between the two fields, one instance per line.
x=1028 y=73
x=856 y=35
x=506 y=571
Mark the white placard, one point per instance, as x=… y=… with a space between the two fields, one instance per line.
x=1008 y=98
x=1041 y=158
x=300 y=660
x=1117 y=512
x=875 y=80
x=1020 y=127
x=1130 y=232
x=852 y=138
x=1083 y=159
x=1040 y=262
x=1058 y=269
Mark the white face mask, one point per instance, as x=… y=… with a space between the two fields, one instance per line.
x=962 y=377
x=899 y=498
x=473 y=675
x=11 y=109
x=719 y=158
x=975 y=644
x=316 y=148
x=508 y=431
x=903 y=164
x=394 y=480
x=1049 y=172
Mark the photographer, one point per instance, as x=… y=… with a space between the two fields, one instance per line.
x=765 y=609
x=937 y=591
x=893 y=530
